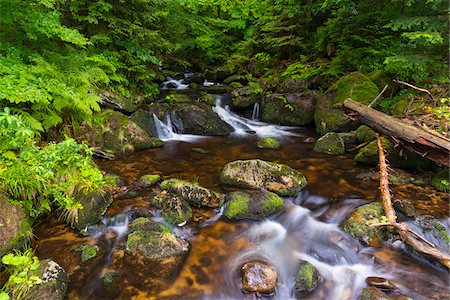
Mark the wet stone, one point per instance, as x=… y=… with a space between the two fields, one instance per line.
x=405 y=207
x=306 y=280
x=372 y=293
x=381 y=283
x=259 y=277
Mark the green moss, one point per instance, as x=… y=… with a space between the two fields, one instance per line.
x=175 y=210
x=271 y=203
x=268 y=143
x=305 y=274
x=88 y=252
x=238 y=206
x=356 y=86
x=112 y=180
x=441 y=181
x=329 y=119
x=365 y=134
x=380 y=78
x=192 y=193
x=330 y=143
x=358 y=224
x=369 y=154
x=149 y=179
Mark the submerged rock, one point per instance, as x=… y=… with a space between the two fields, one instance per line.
x=15 y=227
x=149 y=180
x=306 y=280
x=405 y=207
x=197 y=119
x=289 y=109
x=268 y=143
x=381 y=283
x=256 y=205
x=258 y=174
x=328 y=117
x=88 y=252
x=94 y=206
x=174 y=210
x=330 y=143
x=193 y=193
x=111 y=284
x=259 y=277
x=438 y=233
x=116 y=133
x=54 y=282
x=154 y=250
x=358 y=224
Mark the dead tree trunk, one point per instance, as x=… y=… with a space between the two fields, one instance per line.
x=435 y=148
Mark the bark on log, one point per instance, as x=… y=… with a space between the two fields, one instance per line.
x=415 y=139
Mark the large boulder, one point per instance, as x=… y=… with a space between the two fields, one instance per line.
x=259 y=174
x=197 y=119
x=236 y=78
x=115 y=132
x=242 y=98
x=289 y=109
x=54 y=282
x=307 y=279
x=118 y=102
x=295 y=85
x=154 y=250
x=255 y=205
x=330 y=143
x=365 y=134
x=94 y=205
x=259 y=277
x=193 y=193
x=174 y=209
x=358 y=224
x=328 y=116
x=145 y=120
x=15 y=226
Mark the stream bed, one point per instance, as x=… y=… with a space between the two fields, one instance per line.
x=307 y=228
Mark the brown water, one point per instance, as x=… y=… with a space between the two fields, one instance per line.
x=307 y=229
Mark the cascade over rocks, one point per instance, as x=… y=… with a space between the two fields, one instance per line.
x=258 y=174
x=255 y=205
x=144 y=117
x=242 y=98
x=197 y=119
x=275 y=108
x=193 y=193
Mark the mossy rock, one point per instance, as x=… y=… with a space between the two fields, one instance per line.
x=174 y=209
x=365 y=134
x=197 y=119
x=242 y=79
x=358 y=224
x=208 y=99
x=236 y=85
x=289 y=109
x=118 y=102
x=307 y=279
x=15 y=226
x=373 y=293
x=149 y=180
x=349 y=138
x=434 y=232
x=329 y=117
x=88 y=252
x=193 y=193
x=54 y=282
x=113 y=180
x=94 y=205
x=296 y=85
x=111 y=284
x=153 y=250
x=441 y=181
x=404 y=103
x=330 y=143
x=255 y=205
x=219 y=89
x=174 y=98
x=145 y=120
x=259 y=174
x=242 y=98
x=369 y=155
x=224 y=72
x=268 y=143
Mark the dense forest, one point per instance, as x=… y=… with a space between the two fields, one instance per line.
x=81 y=82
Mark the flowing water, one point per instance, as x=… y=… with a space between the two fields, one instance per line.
x=306 y=229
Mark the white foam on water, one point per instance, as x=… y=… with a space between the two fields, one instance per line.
x=166 y=133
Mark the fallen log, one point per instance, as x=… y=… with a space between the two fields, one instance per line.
x=405 y=233
x=433 y=147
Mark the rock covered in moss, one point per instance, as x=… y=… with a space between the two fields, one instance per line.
x=115 y=132
x=174 y=98
x=197 y=119
x=328 y=117
x=307 y=279
x=15 y=226
x=243 y=97
x=259 y=277
x=88 y=252
x=295 y=85
x=441 y=181
x=358 y=224
x=94 y=205
x=330 y=143
x=149 y=180
x=365 y=134
x=208 y=99
x=154 y=250
x=258 y=174
x=268 y=143
x=111 y=284
x=145 y=120
x=193 y=193
x=118 y=102
x=174 y=209
x=255 y=205
x=242 y=79
x=54 y=282
x=373 y=293
x=405 y=207
x=218 y=89
x=349 y=138
x=289 y=109
x=434 y=232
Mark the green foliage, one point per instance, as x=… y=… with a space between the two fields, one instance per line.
x=286 y=103
x=41 y=177
x=22 y=269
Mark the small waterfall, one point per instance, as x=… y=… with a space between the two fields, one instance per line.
x=244 y=126
x=166 y=133
x=208 y=83
x=255 y=113
x=171 y=83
